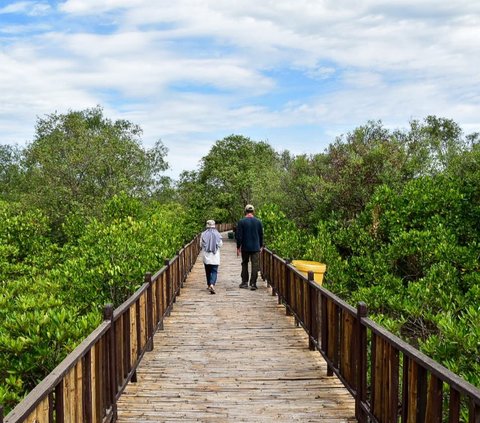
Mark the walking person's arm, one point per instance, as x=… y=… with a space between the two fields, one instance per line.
x=260 y=234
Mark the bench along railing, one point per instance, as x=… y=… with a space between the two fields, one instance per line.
x=86 y=385
x=390 y=380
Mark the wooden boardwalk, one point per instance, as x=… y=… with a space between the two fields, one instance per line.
x=232 y=357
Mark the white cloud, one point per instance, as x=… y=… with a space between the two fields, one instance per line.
x=189 y=70
x=32 y=8
x=92 y=7
x=21 y=6
x=305 y=33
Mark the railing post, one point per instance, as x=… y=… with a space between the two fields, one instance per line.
x=311 y=312
x=260 y=264
x=324 y=329
x=176 y=287
x=281 y=282
x=264 y=265
x=87 y=388
x=108 y=315
x=474 y=411
x=157 y=301
x=168 y=290
x=287 y=288
x=59 y=405
x=126 y=344
x=184 y=266
x=138 y=327
x=148 y=279
x=271 y=271
x=273 y=281
x=361 y=394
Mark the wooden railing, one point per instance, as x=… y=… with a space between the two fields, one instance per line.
x=223 y=227
x=86 y=385
x=390 y=380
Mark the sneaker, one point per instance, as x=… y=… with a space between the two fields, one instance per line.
x=212 y=289
x=253 y=287
x=243 y=285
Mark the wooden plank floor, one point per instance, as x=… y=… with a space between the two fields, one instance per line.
x=232 y=357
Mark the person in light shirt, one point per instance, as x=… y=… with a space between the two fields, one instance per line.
x=211 y=241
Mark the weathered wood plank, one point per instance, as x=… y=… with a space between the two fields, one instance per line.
x=79 y=392
x=133 y=335
x=95 y=371
x=232 y=357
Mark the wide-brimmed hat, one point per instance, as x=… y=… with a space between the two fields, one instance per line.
x=210 y=223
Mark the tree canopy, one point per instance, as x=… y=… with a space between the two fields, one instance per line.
x=236 y=171
x=80 y=159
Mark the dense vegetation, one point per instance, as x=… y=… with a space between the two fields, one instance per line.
x=80 y=224
x=85 y=211
x=395 y=215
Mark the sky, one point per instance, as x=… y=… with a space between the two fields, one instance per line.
x=294 y=73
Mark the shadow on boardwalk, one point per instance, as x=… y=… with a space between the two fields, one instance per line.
x=232 y=357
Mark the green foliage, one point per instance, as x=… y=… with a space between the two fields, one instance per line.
x=411 y=256
x=51 y=297
x=192 y=194
x=457 y=342
x=79 y=160
x=341 y=181
x=280 y=233
x=237 y=171
x=80 y=224
x=10 y=171
x=24 y=242
x=121 y=206
x=395 y=216
x=36 y=332
x=307 y=193
x=108 y=261
x=367 y=158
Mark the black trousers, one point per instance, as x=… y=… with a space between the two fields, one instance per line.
x=254 y=258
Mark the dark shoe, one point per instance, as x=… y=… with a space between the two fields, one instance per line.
x=243 y=285
x=253 y=287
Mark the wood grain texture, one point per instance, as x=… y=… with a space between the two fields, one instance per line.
x=232 y=357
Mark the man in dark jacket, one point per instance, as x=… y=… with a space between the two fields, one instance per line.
x=249 y=236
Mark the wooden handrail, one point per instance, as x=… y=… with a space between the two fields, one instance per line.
x=223 y=227
x=85 y=386
x=389 y=379
x=41 y=401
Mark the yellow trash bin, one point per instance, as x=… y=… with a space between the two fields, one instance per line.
x=305 y=266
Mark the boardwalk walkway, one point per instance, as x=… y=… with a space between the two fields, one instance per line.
x=232 y=357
